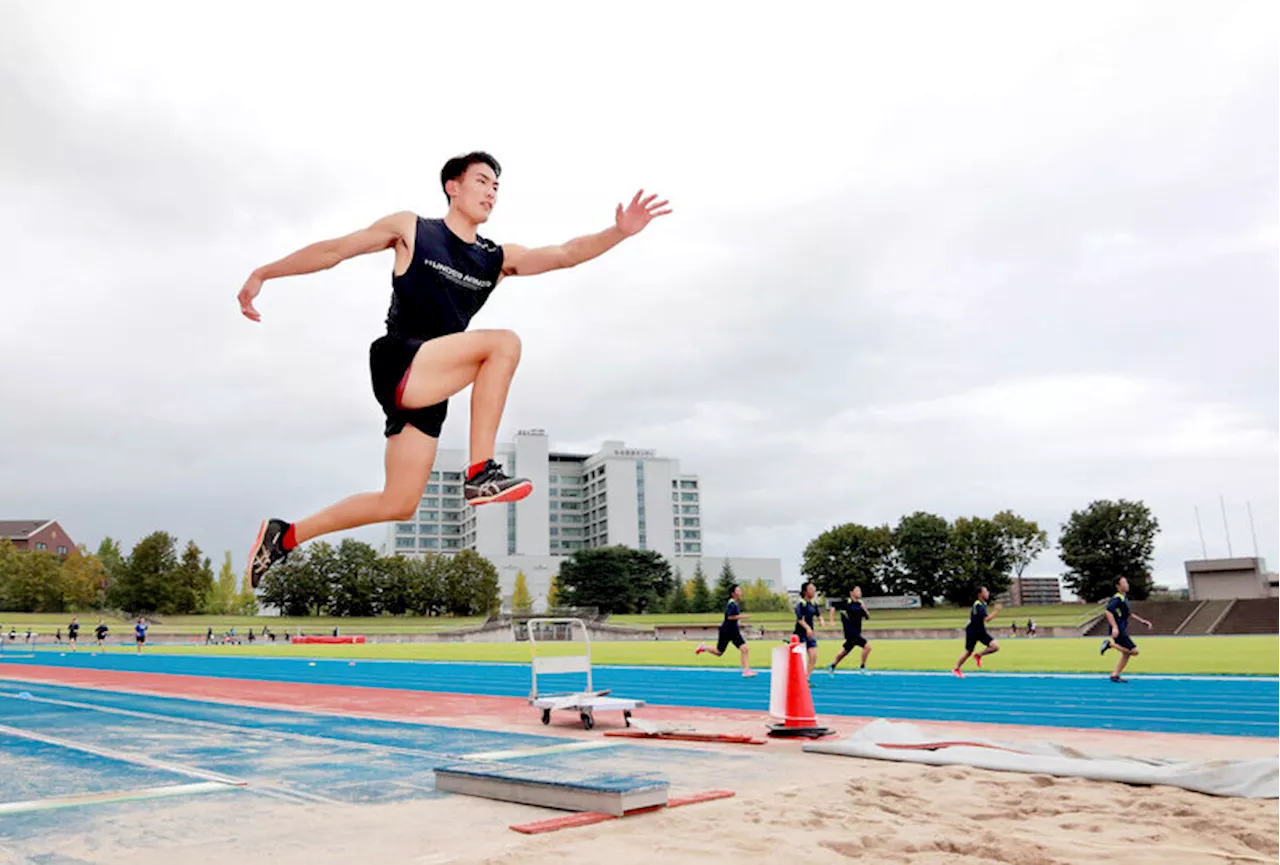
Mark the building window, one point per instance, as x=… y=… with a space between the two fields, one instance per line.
x=693 y=548
x=692 y=535
x=427 y=515
x=453 y=503
x=688 y=497
x=688 y=509
x=427 y=543
x=450 y=476
x=431 y=501
x=406 y=528
x=452 y=490
x=435 y=476
x=689 y=521
x=428 y=530
x=688 y=485
x=404 y=543
x=453 y=516
x=62 y=551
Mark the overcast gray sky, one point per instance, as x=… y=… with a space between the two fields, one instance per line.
x=924 y=256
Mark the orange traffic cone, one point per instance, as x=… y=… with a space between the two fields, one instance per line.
x=799 y=718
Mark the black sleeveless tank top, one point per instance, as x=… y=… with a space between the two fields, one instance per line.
x=447 y=282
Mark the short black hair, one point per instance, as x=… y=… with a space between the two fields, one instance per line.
x=458 y=165
x=804 y=587
x=734 y=588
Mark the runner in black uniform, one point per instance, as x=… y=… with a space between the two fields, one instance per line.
x=73 y=632
x=100 y=633
x=852 y=612
x=731 y=631
x=1118 y=615
x=444 y=272
x=806 y=610
x=976 y=632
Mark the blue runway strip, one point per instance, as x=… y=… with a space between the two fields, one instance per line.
x=1229 y=706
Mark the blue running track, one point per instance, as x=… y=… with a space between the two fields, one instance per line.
x=1220 y=705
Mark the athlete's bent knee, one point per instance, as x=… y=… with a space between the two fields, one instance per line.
x=400 y=506
x=507 y=345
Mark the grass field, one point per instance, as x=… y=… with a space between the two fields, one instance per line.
x=1249 y=655
x=1071 y=615
x=1057 y=615
x=48 y=623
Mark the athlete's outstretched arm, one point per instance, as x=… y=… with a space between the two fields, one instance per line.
x=520 y=261
x=383 y=234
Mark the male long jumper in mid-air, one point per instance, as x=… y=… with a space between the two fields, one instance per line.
x=444 y=273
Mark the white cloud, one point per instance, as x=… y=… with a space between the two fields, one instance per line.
x=1020 y=257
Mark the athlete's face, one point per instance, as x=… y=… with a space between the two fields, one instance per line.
x=476 y=192
x=1123 y=586
x=983 y=595
x=856 y=594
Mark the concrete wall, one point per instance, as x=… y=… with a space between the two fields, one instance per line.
x=1226 y=579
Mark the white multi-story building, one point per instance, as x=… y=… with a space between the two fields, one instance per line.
x=615 y=496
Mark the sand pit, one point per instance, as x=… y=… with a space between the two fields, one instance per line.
x=824 y=809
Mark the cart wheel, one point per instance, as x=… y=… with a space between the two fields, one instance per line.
x=626 y=717
x=546 y=716
x=587 y=721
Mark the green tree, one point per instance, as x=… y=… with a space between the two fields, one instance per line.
x=222 y=600
x=851 y=555
x=614 y=579
x=113 y=561
x=189 y=585
x=724 y=586
x=246 y=603
x=1023 y=539
x=357 y=576
x=394 y=590
x=1106 y=541
x=473 y=586
x=759 y=597
x=650 y=578
x=521 y=600
x=427 y=579
x=678 y=597
x=8 y=569
x=977 y=556
x=33 y=582
x=700 y=592
x=290 y=585
x=83 y=578
x=597 y=577
x=920 y=541
x=144 y=583
x=553 y=592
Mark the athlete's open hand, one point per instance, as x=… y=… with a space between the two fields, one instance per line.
x=252 y=286
x=638 y=213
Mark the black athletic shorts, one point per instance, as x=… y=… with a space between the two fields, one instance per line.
x=1124 y=640
x=389 y=361
x=139 y=638
x=849 y=642
x=973 y=638
x=730 y=635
